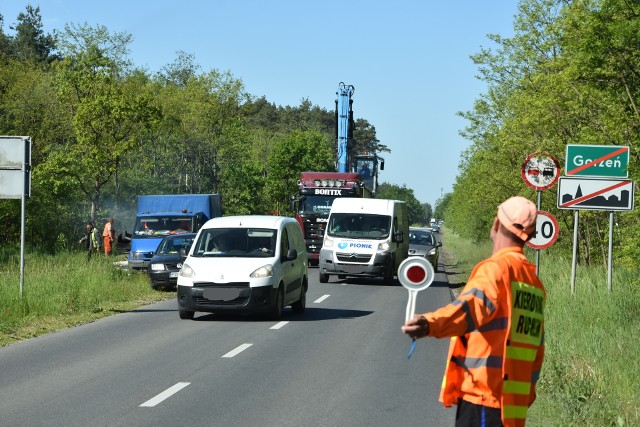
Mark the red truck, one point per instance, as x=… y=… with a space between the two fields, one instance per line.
x=316 y=193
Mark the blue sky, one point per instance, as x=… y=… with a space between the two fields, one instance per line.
x=408 y=60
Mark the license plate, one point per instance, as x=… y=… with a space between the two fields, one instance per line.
x=221 y=294
x=173 y=274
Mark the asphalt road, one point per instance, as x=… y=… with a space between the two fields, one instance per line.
x=341 y=363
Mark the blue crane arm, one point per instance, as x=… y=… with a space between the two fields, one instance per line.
x=344 y=118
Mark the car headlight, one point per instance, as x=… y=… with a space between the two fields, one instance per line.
x=327 y=243
x=157 y=267
x=186 y=271
x=264 y=271
x=136 y=255
x=432 y=252
x=384 y=246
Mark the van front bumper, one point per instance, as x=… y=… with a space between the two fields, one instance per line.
x=233 y=297
x=375 y=266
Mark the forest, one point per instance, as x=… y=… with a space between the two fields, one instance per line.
x=104 y=131
x=570 y=74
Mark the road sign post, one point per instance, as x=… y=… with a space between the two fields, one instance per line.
x=589 y=186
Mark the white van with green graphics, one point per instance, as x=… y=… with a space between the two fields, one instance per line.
x=365 y=237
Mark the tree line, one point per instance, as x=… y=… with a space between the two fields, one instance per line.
x=568 y=75
x=105 y=131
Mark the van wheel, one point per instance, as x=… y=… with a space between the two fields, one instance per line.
x=185 y=314
x=276 y=311
x=299 y=306
x=324 y=278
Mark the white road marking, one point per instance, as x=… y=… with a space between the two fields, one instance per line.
x=322 y=298
x=164 y=395
x=237 y=350
x=279 y=325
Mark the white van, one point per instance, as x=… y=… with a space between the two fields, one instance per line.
x=365 y=237
x=245 y=264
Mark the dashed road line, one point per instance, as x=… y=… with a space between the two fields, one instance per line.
x=237 y=350
x=279 y=325
x=322 y=298
x=164 y=395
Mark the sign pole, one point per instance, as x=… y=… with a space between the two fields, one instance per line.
x=610 y=269
x=575 y=252
x=538 y=250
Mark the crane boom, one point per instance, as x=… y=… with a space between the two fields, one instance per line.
x=344 y=113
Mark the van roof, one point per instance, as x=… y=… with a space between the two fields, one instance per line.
x=247 y=221
x=352 y=205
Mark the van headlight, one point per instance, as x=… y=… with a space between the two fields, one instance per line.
x=327 y=243
x=186 y=271
x=383 y=247
x=157 y=267
x=264 y=271
x=432 y=252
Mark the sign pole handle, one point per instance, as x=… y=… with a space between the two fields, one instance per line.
x=575 y=251
x=411 y=305
x=610 y=269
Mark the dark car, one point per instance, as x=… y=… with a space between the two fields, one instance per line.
x=166 y=263
x=422 y=242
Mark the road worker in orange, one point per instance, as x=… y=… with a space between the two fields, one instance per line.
x=108 y=236
x=496 y=327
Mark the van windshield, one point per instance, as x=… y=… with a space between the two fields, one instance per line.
x=236 y=242
x=359 y=226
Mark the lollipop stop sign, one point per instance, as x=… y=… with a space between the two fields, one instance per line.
x=415 y=274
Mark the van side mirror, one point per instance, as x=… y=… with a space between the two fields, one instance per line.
x=399 y=237
x=183 y=253
x=438 y=244
x=291 y=255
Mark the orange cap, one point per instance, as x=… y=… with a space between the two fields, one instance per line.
x=518 y=215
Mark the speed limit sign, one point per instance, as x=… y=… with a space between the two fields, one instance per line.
x=547 y=231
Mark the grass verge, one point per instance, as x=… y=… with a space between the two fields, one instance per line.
x=65 y=290
x=590 y=373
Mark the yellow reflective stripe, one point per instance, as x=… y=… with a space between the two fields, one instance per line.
x=519 y=353
x=516 y=387
x=512 y=411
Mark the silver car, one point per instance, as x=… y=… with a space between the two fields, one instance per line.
x=422 y=242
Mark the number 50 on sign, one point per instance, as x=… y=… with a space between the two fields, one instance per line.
x=547 y=231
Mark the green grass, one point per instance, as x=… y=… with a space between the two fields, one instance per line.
x=64 y=290
x=592 y=359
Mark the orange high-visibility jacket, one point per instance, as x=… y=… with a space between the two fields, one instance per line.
x=107 y=233
x=497 y=330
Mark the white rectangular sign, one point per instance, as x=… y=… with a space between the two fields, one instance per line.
x=595 y=194
x=11 y=184
x=12 y=152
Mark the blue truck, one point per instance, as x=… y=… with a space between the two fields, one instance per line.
x=165 y=214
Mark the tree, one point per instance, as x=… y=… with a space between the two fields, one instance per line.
x=106 y=112
x=296 y=152
x=30 y=42
x=394 y=192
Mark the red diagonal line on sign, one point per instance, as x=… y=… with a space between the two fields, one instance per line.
x=596 y=161
x=597 y=193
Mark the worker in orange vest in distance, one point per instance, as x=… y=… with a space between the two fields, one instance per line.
x=108 y=236
x=496 y=327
